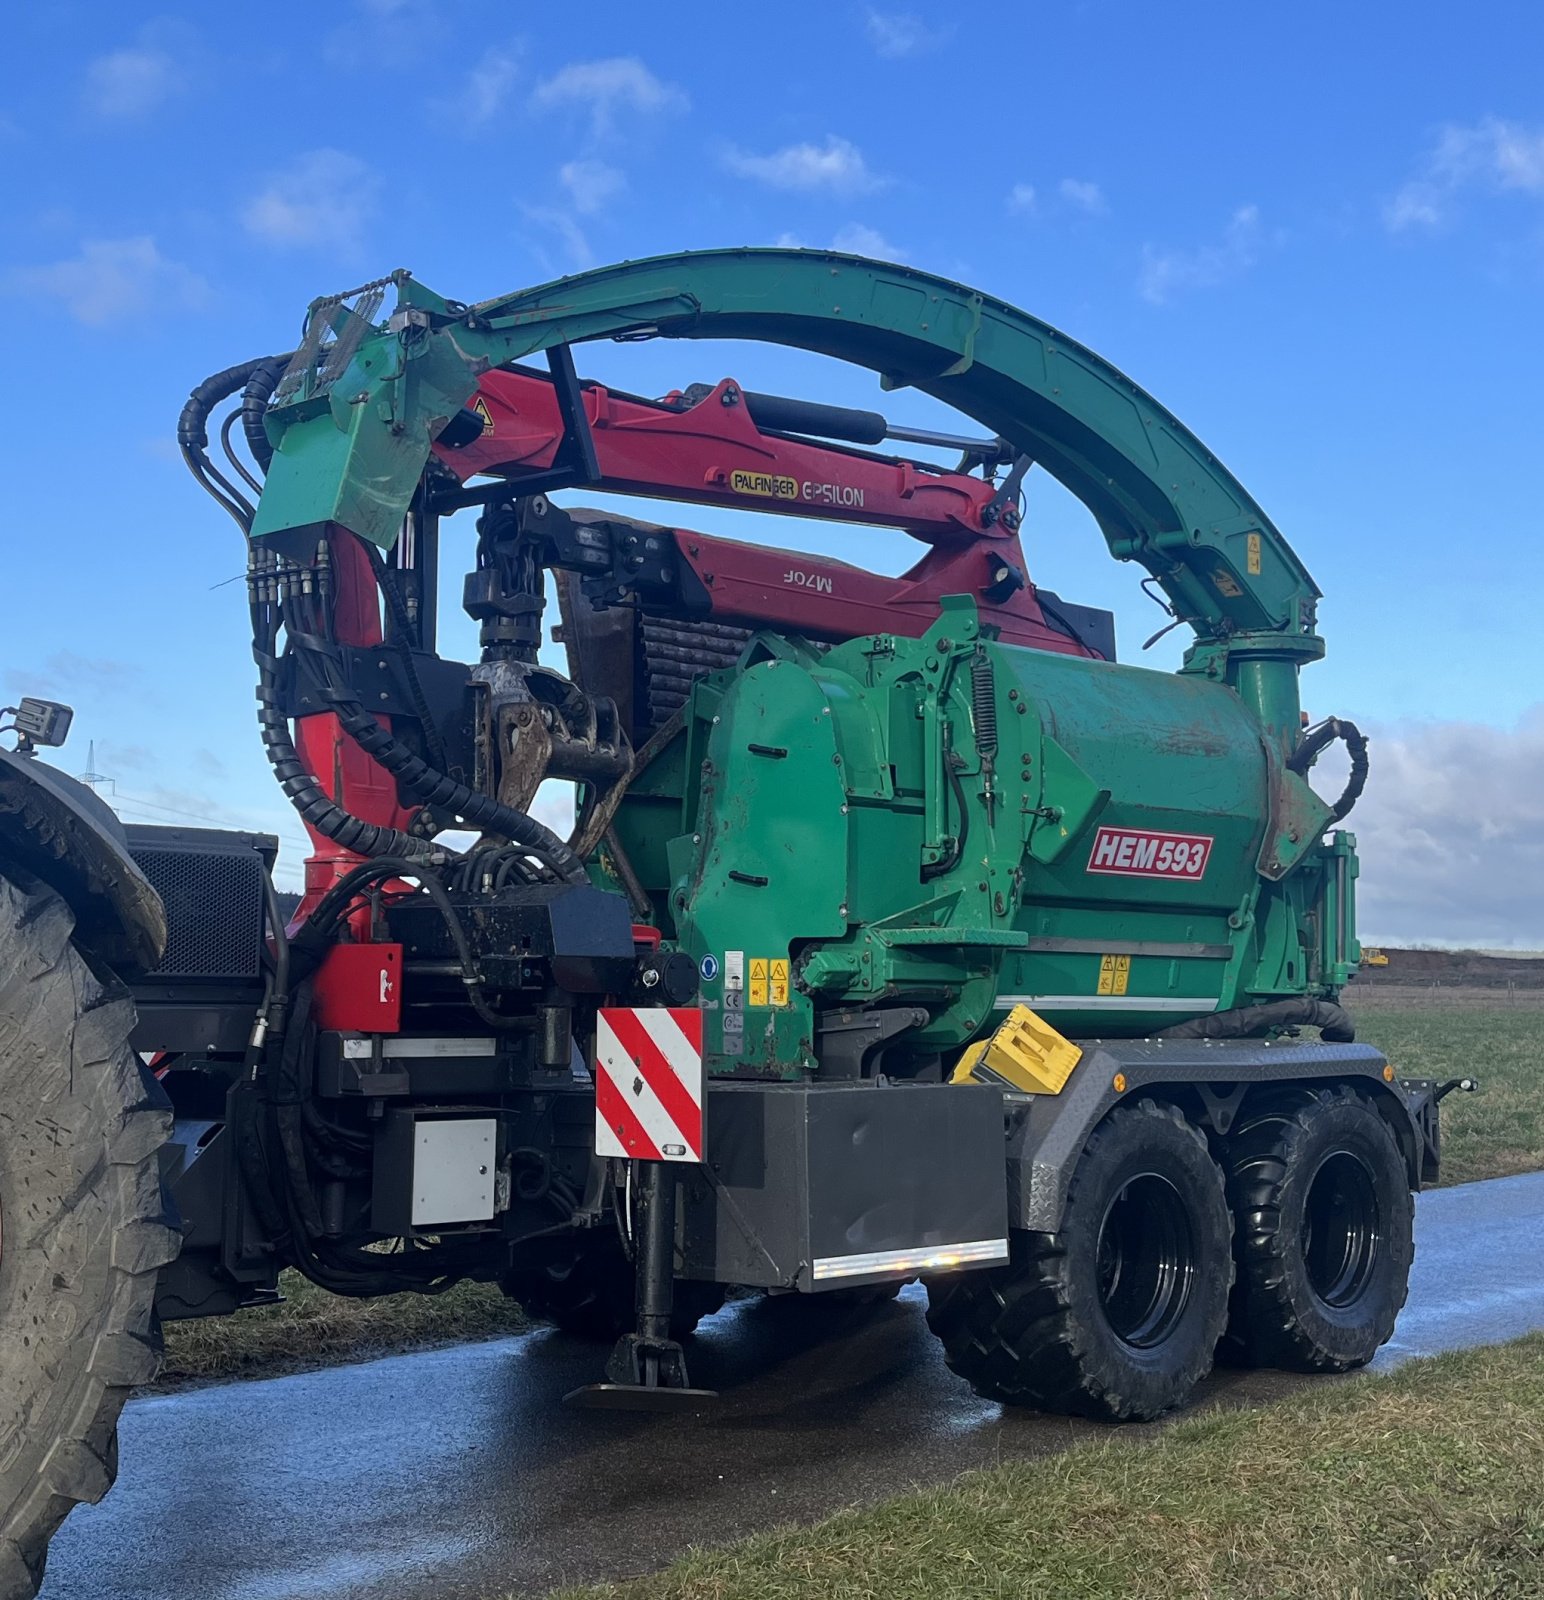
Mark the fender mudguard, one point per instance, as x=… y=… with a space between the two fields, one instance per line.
x=54 y=828
x=1213 y=1079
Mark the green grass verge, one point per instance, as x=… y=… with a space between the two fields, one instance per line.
x=313 y=1328
x=1425 y=1483
x=1500 y=1129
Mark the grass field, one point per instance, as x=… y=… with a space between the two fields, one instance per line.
x=1424 y=1484
x=313 y=1328
x=1497 y=1131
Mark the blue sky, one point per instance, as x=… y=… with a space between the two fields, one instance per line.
x=1316 y=233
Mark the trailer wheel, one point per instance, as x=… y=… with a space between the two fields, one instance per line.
x=83 y=1227
x=592 y=1295
x=1324 y=1233
x=1118 y=1314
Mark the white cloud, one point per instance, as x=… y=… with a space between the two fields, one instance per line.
x=837 y=166
x=131 y=82
x=113 y=280
x=325 y=199
x=1084 y=195
x=1491 y=155
x=859 y=240
x=1168 y=272
x=487 y=86
x=606 y=88
x=138 y=78
x=1021 y=199
x=789 y=241
x=572 y=252
x=591 y=184
x=383 y=34
x=1451 y=834
x=897 y=33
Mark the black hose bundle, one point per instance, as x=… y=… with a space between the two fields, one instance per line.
x=282 y=1135
x=193 y=434
x=1250 y=1022
x=417 y=779
x=1316 y=741
x=426 y=784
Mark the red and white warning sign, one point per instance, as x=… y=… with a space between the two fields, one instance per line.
x=648 y=1083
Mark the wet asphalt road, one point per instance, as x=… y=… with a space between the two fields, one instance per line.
x=455 y=1475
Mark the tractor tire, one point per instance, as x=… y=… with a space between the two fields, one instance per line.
x=1323 y=1233
x=593 y=1294
x=83 y=1227
x=1117 y=1315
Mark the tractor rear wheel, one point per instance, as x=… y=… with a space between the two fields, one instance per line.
x=83 y=1226
x=1323 y=1232
x=1117 y=1315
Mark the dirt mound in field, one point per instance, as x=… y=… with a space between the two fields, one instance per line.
x=1470 y=969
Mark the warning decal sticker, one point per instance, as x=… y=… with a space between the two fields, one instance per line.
x=1114 y=974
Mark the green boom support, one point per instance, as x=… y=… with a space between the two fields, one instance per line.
x=352 y=452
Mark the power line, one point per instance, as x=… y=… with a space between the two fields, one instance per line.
x=155 y=813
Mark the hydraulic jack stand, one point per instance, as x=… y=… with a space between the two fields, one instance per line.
x=647 y=1370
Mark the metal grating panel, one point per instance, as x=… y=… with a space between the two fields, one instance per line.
x=676 y=652
x=214 y=909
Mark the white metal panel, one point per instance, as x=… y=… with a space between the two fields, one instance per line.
x=454 y=1160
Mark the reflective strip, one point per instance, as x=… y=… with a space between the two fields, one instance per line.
x=1102 y=1002
x=397 y=1046
x=922 y=1258
x=648 y=1080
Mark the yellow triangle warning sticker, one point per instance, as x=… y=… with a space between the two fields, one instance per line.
x=480 y=407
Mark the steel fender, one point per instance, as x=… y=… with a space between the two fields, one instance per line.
x=1047 y=1133
x=57 y=830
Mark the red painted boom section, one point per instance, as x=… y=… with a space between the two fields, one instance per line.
x=712 y=453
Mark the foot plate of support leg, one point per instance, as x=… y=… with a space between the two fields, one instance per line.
x=637 y=1397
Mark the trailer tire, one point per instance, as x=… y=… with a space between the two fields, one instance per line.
x=84 y=1228
x=1323 y=1233
x=1117 y=1315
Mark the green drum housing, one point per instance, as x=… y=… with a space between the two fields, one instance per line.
x=937 y=829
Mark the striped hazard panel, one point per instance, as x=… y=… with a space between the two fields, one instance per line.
x=648 y=1083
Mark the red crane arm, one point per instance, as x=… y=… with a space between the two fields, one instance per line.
x=708 y=449
x=712 y=453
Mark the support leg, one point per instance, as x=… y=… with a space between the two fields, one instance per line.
x=647 y=1369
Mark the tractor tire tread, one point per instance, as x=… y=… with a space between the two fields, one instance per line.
x=86 y=1215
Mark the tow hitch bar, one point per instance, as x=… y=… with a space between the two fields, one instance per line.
x=647 y=1369
x=1467 y=1085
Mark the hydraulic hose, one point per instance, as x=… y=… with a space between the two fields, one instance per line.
x=193 y=436
x=1317 y=740
x=261 y=381
x=422 y=782
x=1249 y=1022
x=333 y=907
x=256 y=380
x=313 y=804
